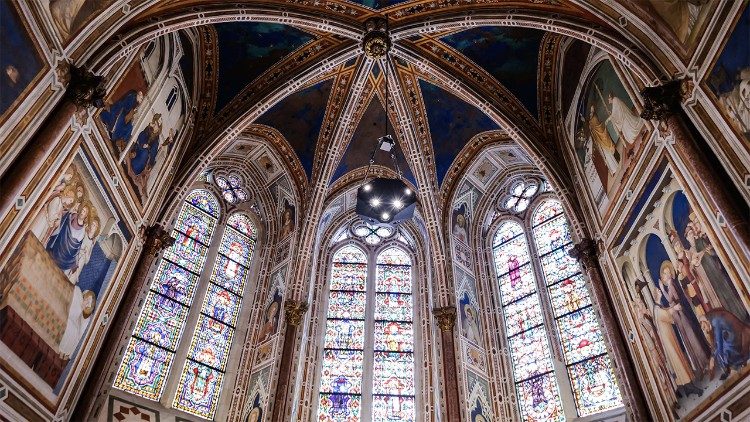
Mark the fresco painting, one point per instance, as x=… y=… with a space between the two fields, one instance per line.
x=287 y=220
x=20 y=60
x=142 y=120
x=461 y=224
x=271 y=317
x=258 y=390
x=608 y=133
x=69 y=16
x=693 y=320
x=683 y=17
x=729 y=80
x=58 y=274
x=470 y=320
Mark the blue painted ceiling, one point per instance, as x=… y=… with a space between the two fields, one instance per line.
x=510 y=54
x=299 y=118
x=453 y=122
x=378 y=4
x=247 y=49
x=370 y=128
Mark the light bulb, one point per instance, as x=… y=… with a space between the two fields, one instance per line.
x=367 y=187
x=375 y=202
x=407 y=191
x=397 y=204
x=385 y=216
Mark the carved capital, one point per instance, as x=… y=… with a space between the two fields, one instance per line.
x=585 y=252
x=662 y=101
x=294 y=310
x=85 y=89
x=446 y=317
x=155 y=239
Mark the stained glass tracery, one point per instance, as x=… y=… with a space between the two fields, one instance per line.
x=231 y=188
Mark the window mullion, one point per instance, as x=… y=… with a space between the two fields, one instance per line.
x=558 y=359
x=191 y=323
x=368 y=364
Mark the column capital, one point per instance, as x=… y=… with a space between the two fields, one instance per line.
x=585 y=252
x=85 y=89
x=446 y=317
x=294 y=310
x=155 y=239
x=662 y=101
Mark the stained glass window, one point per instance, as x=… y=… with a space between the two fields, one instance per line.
x=231 y=188
x=589 y=371
x=589 y=367
x=520 y=195
x=200 y=383
x=158 y=330
x=343 y=354
x=342 y=392
x=536 y=386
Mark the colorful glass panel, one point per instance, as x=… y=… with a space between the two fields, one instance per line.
x=186 y=253
x=546 y=211
x=569 y=295
x=551 y=235
x=346 y=305
x=221 y=304
x=517 y=284
x=345 y=334
x=236 y=246
x=511 y=255
x=161 y=321
x=243 y=224
x=558 y=265
x=393 y=279
x=539 y=399
x=144 y=369
x=393 y=256
x=199 y=390
x=203 y=199
x=339 y=407
x=507 y=231
x=195 y=224
x=522 y=315
x=211 y=342
x=393 y=307
x=229 y=274
x=580 y=335
x=393 y=373
x=348 y=276
x=392 y=336
x=342 y=371
x=174 y=282
x=530 y=353
x=594 y=386
x=350 y=254
x=393 y=408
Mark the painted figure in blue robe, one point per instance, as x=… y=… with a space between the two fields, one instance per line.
x=731 y=338
x=142 y=156
x=119 y=117
x=65 y=243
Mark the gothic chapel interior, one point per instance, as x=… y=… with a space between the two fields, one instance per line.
x=375 y=210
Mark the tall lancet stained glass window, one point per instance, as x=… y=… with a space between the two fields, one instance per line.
x=531 y=357
x=156 y=336
x=588 y=364
x=344 y=343
x=203 y=372
x=362 y=338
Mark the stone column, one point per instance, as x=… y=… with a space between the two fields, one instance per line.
x=293 y=312
x=632 y=394
x=84 y=90
x=155 y=239
x=446 y=320
x=664 y=104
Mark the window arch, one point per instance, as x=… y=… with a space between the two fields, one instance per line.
x=367 y=371
x=151 y=350
x=559 y=291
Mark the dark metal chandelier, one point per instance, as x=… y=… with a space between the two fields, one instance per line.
x=383 y=200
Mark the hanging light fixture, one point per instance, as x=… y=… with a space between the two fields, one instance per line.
x=383 y=200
